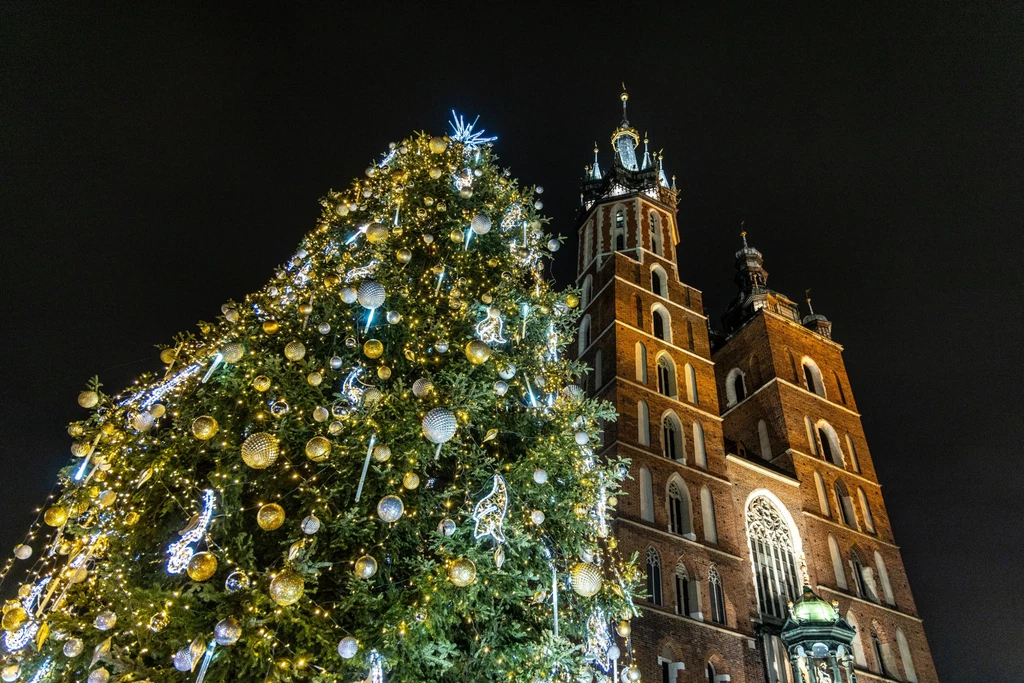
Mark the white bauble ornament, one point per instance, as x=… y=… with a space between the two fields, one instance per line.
x=582 y=438
x=348 y=647
x=390 y=508
x=507 y=372
x=537 y=517
x=540 y=476
x=439 y=425
x=23 y=551
x=371 y=294
x=614 y=652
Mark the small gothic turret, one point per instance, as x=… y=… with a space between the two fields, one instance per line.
x=754 y=295
x=819 y=641
x=815 y=321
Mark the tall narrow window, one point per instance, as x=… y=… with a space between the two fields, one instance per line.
x=771 y=551
x=653 y=577
x=656 y=234
x=863 y=577
x=839 y=385
x=641 y=363
x=883 y=576
x=662 y=323
x=672 y=438
x=588 y=243
x=598 y=371
x=639 y=312
x=858 y=644
x=819 y=485
x=792 y=365
x=666 y=376
x=813 y=377
x=679 y=509
x=846 y=513
x=584 y=334
x=691 y=384
x=717 y=595
x=881 y=666
x=646 y=495
x=659 y=281
x=700 y=454
x=688 y=298
x=837 y=562
x=588 y=285
x=865 y=510
x=689 y=334
x=707 y=510
x=854 y=462
x=683 y=604
x=812 y=442
x=643 y=423
x=906 y=657
x=735 y=387
x=620 y=231
x=830 y=444
x=766 y=443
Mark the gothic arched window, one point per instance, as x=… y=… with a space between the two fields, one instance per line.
x=837 y=562
x=772 y=554
x=666 y=376
x=854 y=462
x=643 y=423
x=830 y=449
x=865 y=510
x=584 y=341
x=766 y=442
x=653 y=577
x=672 y=437
x=646 y=495
x=819 y=485
x=662 y=323
x=717 y=595
x=686 y=592
x=679 y=520
x=707 y=511
x=620 y=231
x=641 y=363
x=735 y=387
x=813 y=377
x=659 y=281
x=846 y=514
x=691 y=384
x=588 y=287
x=700 y=453
x=656 y=245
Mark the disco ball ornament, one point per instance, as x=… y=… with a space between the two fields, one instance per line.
x=410 y=480
x=270 y=517
x=286 y=588
x=373 y=348
x=586 y=579
x=73 y=647
x=376 y=233
x=23 y=551
x=500 y=388
x=348 y=647
x=318 y=448
x=294 y=350
x=481 y=224
x=100 y=675
x=56 y=515
x=349 y=295
x=462 y=572
x=105 y=620
x=237 y=581
x=381 y=453
x=439 y=424
x=324 y=328
x=310 y=525
x=261 y=383
x=202 y=566
x=260 y=450
x=623 y=629
x=422 y=387
x=477 y=352
x=10 y=673
x=88 y=399
x=390 y=508
x=204 y=427
x=438 y=145
x=232 y=352
x=366 y=567
x=371 y=294
x=554 y=245
x=537 y=517
x=507 y=371
x=372 y=397
x=227 y=631
x=540 y=476
x=271 y=326
x=143 y=422
x=183 y=660
x=446 y=527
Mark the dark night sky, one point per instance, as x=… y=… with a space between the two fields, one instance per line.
x=158 y=161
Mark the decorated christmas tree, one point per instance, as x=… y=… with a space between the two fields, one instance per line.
x=378 y=467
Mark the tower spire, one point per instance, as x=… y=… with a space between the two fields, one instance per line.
x=647 y=156
x=807 y=295
x=625 y=139
x=625 y=98
x=595 y=173
x=743 y=234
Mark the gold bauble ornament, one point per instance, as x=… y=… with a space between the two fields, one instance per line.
x=158 y=622
x=586 y=579
x=260 y=450
x=80 y=449
x=572 y=301
x=106 y=499
x=232 y=352
x=14 y=618
x=271 y=326
x=366 y=567
x=456 y=236
x=131 y=519
x=56 y=515
x=270 y=517
x=623 y=629
x=204 y=427
x=477 y=352
x=633 y=673
x=294 y=351
x=286 y=588
x=314 y=379
x=167 y=356
x=373 y=348
x=318 y=449
x=410 y=480
x=88 y=399
x=332 y=280
x=462 y=572
x=305 y=309
x=438 y=145
x=157 y=410
x=202 y=566
x=381 y=453
x=384 y=372
x=376 y=233
x=261 y=383
x=404 y=256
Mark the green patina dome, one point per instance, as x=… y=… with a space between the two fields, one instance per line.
x=810 y=608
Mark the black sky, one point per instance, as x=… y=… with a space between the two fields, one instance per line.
x=158 y=160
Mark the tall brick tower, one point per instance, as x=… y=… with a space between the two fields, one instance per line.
x=751 y=480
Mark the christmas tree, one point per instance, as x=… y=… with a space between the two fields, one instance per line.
x=378 y=467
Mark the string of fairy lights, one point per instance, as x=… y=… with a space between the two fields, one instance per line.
x=378 y=466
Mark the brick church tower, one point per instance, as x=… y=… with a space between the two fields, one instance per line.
x=751 y=485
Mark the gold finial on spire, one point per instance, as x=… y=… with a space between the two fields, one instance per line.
x=625 y=95
x=595 y=147
x=743 y=234
x=645 y=138
x=807 y=295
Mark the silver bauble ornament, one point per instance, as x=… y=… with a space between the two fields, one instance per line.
x=582 y=438
x=441 y=346
x=507 y=372
x=324 y=328
x=349 y=295
x=554 y=245
x=447 y=527
x=321 y=414
x=183 y=660
x=371 y=294
x=540 y=476
x=500 y=388
x=393 y=317
x=310 y=525
x=236 y=581
x=23 y=551
x=73 y=647
x=633 y=673
x=99 y=676
x=227 y=631
x=337 y=362
x=439 y=425
x=348 y=647
x=390 y=508
x=366 y=567
x=105 y=620
x=481 y=224
x=422 y=387
x=537 y=517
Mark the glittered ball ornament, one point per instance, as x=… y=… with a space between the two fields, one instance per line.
x=261 y=383
x=366 y=567
x=462 y=572
x=80 y=449
x=349 y=295
x=348 y=647
x=204 y=427
x=287 y=587
x=294 y=350
x=381 y=453
x=236 y=581
x=321 y=414
x=23 y=551
x=371 y=294
x=270 y=517
x=410 y=480
x=202 y=566
x=227 y=631
x=55 y=516
x=183 y=660
x=586 y=579
x=310 y=525
x=232 y=352
x=105 y=620
x=537 y=517
x=439 y=425
x=376 y=233
x=318 y=449
x=438 y=145
x=477 y=352
x=373 y=348
x=260 y=450
x=88 y=399
x=100 y=675
x=73 y=647
x=143 y=421
x=390 y=508
x=481 y=224
x=422 y=387
x=14 y=618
